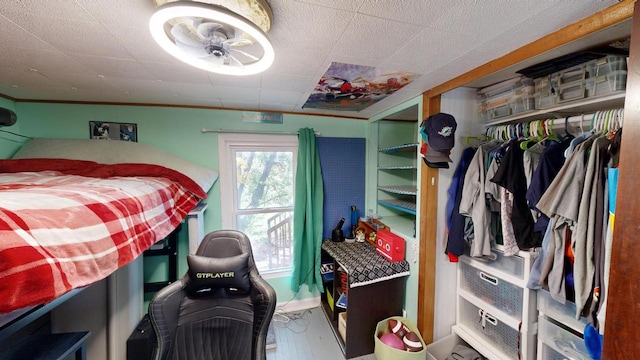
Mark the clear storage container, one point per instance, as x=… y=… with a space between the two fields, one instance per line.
x=564 y=313
x=510 y=265
x=501 y=294
x=561 y=341
x=489 y=328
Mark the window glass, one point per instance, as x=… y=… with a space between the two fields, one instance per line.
x=257 y=191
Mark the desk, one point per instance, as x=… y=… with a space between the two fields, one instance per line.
x=375 y=291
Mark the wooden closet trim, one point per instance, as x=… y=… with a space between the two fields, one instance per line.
x=428 y=227
x=623 y=291
x=431 y=105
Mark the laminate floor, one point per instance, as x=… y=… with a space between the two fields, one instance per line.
x=306 y=335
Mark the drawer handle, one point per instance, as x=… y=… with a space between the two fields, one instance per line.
x=486 y=317
x=490 y=279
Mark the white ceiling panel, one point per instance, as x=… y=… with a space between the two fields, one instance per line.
x=71 y=42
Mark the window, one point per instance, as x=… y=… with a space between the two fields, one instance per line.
x=257 y=189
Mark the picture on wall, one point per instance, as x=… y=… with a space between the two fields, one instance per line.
x=352 y=87
x=113 y=131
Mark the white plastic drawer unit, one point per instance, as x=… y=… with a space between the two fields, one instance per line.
x=508 y=265
x=493 y=290
x=489 y=329
x=563 y=313
x=559 y=343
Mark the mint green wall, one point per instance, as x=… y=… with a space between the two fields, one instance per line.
x=176 y=130
x=412 y=243
x=9 y=143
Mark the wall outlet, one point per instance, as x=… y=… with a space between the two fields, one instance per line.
x=404 y=313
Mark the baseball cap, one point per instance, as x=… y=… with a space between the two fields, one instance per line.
x=440 y=129
x=434 y=158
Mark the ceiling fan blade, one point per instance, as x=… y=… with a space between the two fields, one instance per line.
x=238 y=41
x=195 y=51
x=181 y=33
x=208 y=29
x=233 y=59
x=245 y=54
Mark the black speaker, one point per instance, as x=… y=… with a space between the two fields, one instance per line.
x=142 y=341
x=7 y=117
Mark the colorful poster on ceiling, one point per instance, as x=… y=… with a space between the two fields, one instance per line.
x=352 y=87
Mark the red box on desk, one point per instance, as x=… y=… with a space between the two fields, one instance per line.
x=390 y=245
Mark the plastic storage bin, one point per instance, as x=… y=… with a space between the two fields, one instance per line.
x=609 y=64
x=613 y=82
x=501 y=294
x=561 y=341
x=441 y=349
x=511 y=265
x=489 y=329
x=564 y=313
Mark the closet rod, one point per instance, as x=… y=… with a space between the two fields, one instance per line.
x=229 y=131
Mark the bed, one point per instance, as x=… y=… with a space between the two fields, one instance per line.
x=72 y=212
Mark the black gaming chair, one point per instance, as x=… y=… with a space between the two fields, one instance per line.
x=220 y=309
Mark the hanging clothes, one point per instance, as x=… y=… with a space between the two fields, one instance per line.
x=588 y=227
x=551 y=161
x=561 y=204
x=473 y=202
x=511 y=176
x=455 y=221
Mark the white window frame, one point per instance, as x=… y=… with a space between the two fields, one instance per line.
x=227 y=144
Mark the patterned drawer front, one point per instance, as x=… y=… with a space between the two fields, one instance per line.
x=564 y=313
x=511 y=265
x=493 y=290
x=559 y=341
x=490 y=329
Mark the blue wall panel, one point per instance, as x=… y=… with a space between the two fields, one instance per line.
x=343 y=172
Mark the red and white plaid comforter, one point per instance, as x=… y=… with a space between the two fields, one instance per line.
x=71 y=226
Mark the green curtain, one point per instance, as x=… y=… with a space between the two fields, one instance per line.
x=307 y=213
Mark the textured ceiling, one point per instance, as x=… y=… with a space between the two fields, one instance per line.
x=102 y=51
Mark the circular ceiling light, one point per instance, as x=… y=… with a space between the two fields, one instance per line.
x=208 y=36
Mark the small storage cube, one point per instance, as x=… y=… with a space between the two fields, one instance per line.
x=523 y=103
x=501 y=294
x=564 y=313
x=561 y=340
x=489 y=329
x=573 y=92
x=546 y=85
x=499 y=111
x=613 y=82
x=544 y=101
x=572 y=75
x=609 y=64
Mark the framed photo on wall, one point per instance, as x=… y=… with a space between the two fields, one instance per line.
x=102 y=130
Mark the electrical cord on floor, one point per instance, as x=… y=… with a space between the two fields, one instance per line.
x=281 y=317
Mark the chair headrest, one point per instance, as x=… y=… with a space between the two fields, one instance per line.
x=213 y=273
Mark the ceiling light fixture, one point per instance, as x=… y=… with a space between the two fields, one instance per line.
x=207 y=36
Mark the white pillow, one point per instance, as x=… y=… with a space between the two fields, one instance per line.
x=115 y=152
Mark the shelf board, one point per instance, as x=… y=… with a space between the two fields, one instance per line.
x=588 y=105
x=400 y=190
x=402 y=167
x=400 y=205
x=412 y=147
